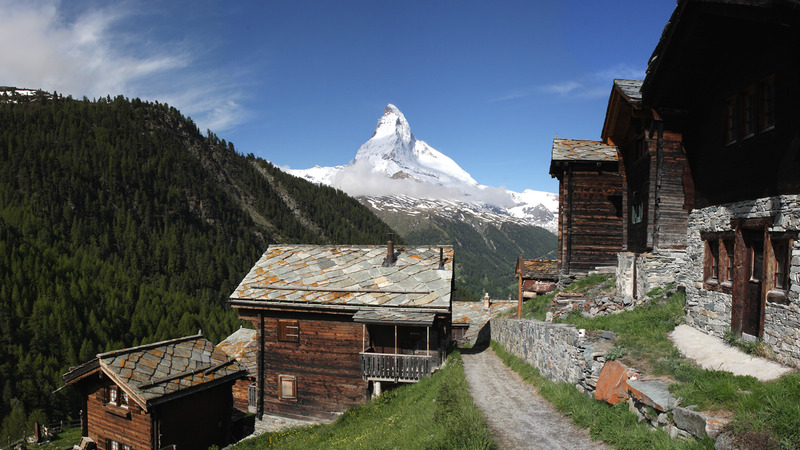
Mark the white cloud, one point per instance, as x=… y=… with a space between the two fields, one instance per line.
x=89 y=55
x=594 y=85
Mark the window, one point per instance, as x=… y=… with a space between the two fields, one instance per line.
x=767 y=97
x=112 y=395
x=288 y=331
x=123 y=399
x=116 y=445
x=730 y=112
x=781 y=249
x=287 y=387
x=748 y=113
x=712 y=262
x=727 y=246
x=636 y=213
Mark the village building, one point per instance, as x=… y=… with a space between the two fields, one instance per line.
x=337 y=324
x=242 y=345
x=535 y=277
x=656 y=190
x=726 y=73
x=589 y=205
x=172 y=393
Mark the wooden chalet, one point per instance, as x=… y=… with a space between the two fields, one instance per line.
x=657 y=189
x=725 y=74
x=535 y=277
x=174 y=394
x=589 y=204
x=242 y=345
x=335 y=322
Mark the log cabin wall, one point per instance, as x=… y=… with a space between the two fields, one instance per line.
x=241 y=392
x=325 y=362
x=198 y=420
x=590 y=216
x=132 y=426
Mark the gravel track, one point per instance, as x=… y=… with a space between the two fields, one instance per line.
x=518 y=416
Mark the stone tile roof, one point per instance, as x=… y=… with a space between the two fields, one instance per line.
x=242 y=345
x=538 y=269
x=151 y=373
x=579 y=150
x=349 y=277
x=631 y=88
x=475 y=315
x=394 y=316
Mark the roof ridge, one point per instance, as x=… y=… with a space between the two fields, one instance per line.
x=149 y=346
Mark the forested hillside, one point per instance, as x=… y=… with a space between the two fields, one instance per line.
x=122 y=224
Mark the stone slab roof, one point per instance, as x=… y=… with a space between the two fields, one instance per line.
x=349 y=277
x=475 y=315
x=243 y=346
x=151 y=373
x=394 y=316
x=538 y=269
x=630 y=88
x=580 y=150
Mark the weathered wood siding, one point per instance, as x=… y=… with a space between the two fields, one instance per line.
x=671 y=215
x=325 y=361
x=240 y=393
x=590 y=217
x=199 y=420
x=108 y=421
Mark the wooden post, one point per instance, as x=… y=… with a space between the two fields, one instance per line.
x=519 y=292
x=428 y=341
x=363 y=337
x=395 y=339
x=260 y=367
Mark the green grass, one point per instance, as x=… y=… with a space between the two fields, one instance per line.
x=615 y=425
x=764 y=414
x=437 y=412
x=591 y=283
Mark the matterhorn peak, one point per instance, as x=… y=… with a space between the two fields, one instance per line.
x=393 y=122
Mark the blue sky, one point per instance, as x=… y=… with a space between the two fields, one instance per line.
x=303 y=83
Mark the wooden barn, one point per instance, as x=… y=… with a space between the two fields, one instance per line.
x=589 y=204
x=337 y=324
x=174 y=394
x=657 y=189
x=725 y=73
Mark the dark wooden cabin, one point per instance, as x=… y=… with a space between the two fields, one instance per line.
x=655 y=174
x=172 y=393
x=725 y=73
x=337 y=322
x=589 y=204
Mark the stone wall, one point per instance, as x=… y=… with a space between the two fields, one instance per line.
x=557 y=350
x=650 y=270
x=710 y=311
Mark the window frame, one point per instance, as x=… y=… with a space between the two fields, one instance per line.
x=292 y=379
x=718 y=261
x=766 y=103
x=285 y=326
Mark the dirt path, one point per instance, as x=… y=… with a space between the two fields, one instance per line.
x=518 y=415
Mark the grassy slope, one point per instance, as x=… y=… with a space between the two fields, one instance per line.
x=764 y=415
x=437 y=412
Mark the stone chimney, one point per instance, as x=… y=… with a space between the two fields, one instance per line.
x=390 y=258
x=487 y=303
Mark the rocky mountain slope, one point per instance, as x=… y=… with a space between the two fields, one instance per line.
x=427 y=197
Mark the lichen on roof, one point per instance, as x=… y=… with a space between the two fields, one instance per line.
x=582 y=150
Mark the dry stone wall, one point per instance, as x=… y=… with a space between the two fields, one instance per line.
x=710 y=311
x=638 y=274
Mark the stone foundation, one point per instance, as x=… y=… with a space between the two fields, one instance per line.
x=638 y=274
x=710 y=310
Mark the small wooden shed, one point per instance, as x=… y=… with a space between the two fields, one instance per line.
x=535 y=277
x=589 y=204
x=170 y=393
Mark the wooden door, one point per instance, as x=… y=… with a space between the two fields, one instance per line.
x=753 y=308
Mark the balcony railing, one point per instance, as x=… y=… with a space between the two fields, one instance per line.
x=396 y=368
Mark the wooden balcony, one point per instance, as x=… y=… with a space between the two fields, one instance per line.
x=397 y=368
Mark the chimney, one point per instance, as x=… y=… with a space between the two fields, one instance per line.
x=390 y=258
x=441 y=258
x=487 y=303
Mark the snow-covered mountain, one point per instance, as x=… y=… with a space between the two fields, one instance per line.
x=393 y=163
